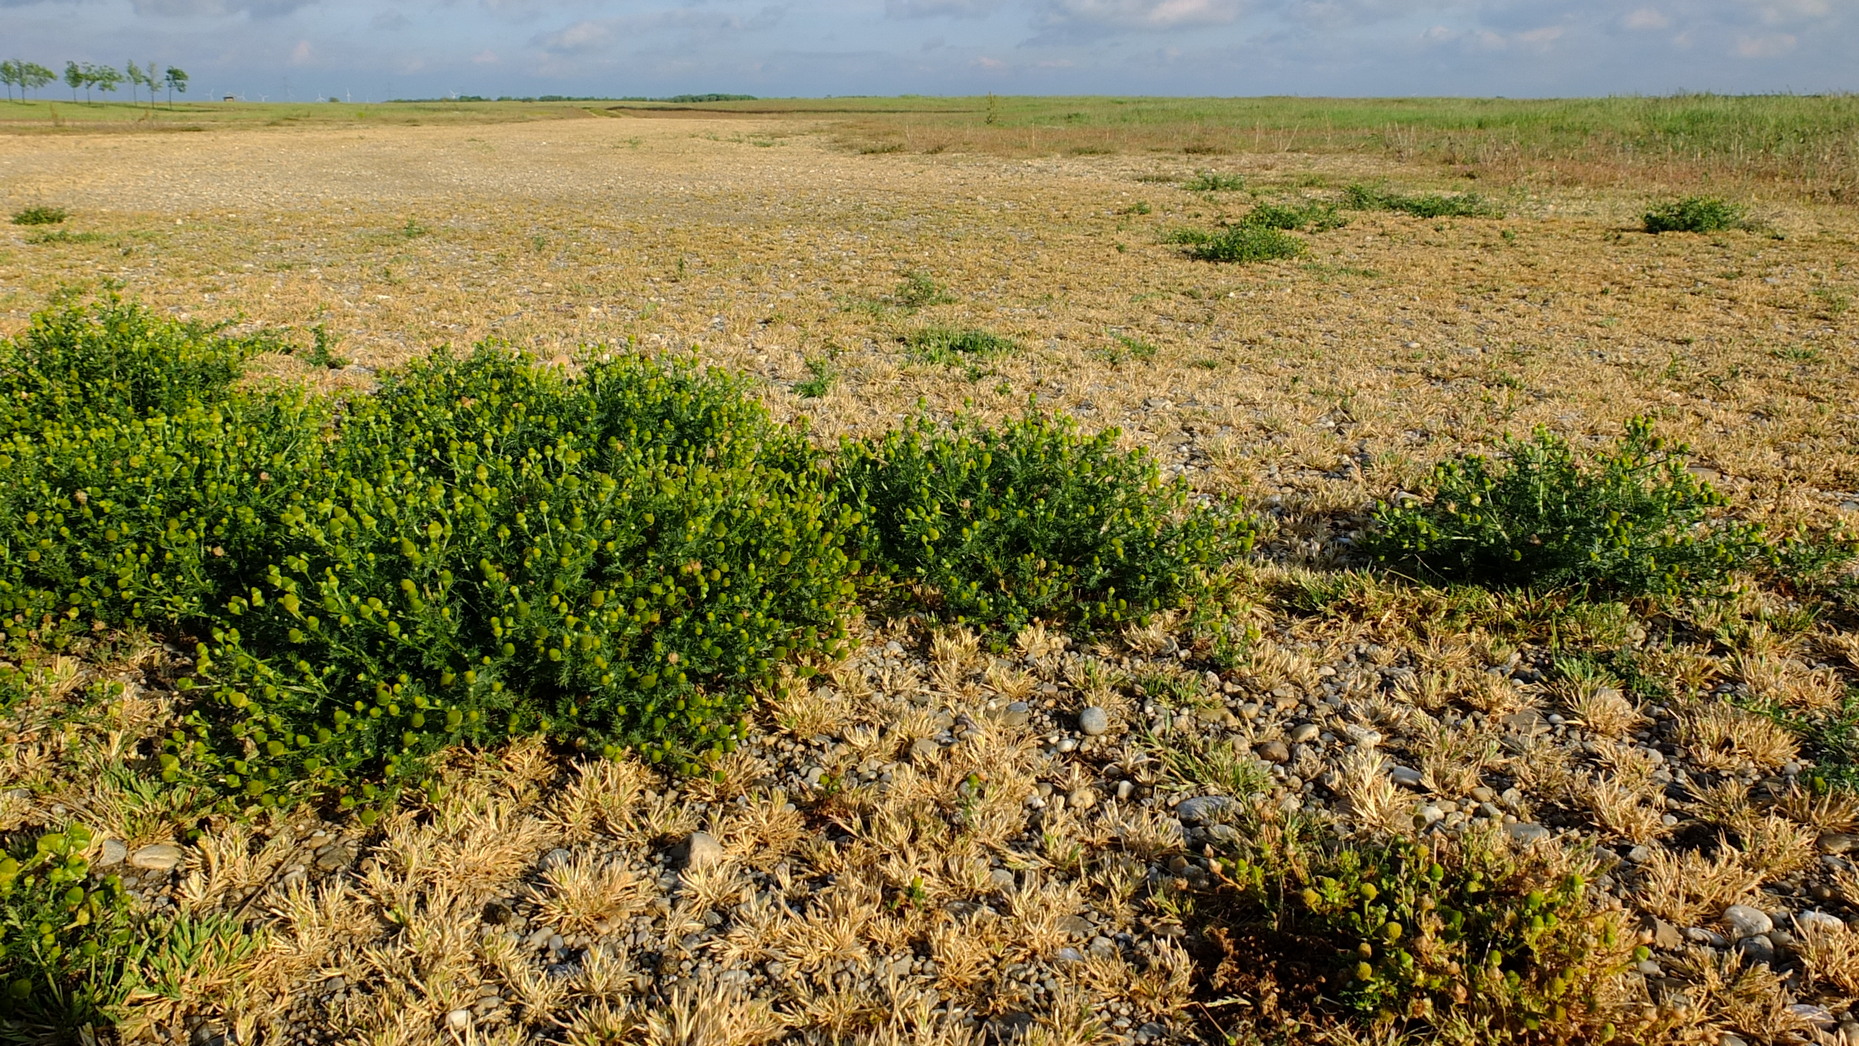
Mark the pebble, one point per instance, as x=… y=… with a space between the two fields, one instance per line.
x=1274 y=752
x=111 y=854
x=702 y=850
x=1201 y=809
x=1757 y=950
x=1081 y=799
x=1745 y=921
x=1818 y=1016
x=1818 y=922
x=458 y=1020
x=1838 y=843
x=1304 y=732
x=1093 y=721
x=1408 y=776
x=160 y=857
x=1017 y=714
x=1524 y=833
x=924 y=750
x=1708 y=938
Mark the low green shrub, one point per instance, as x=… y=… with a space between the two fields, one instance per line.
x=66 y=938
x=1212 y=181
x=918 y=290
x=1239 y=243
x=1461 y=941
x=1305 y=217
x=1695 y=214
x=40 y=215
x=956 y=346
x=1030 y=520
x=820 y=377
x=1124 y=348
x=1633 y=521
x=1424 y=205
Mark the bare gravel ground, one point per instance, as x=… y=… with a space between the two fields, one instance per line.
x=931 y=842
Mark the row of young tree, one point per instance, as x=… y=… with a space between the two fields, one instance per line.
x=30 y=76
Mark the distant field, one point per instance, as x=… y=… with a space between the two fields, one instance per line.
x=1778 y=144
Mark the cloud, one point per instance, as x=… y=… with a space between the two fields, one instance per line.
x=389 y=22
x=1136 y=14
x=579 y=38
x=485 y=57
x=217 y=8
x=1647 y=18
x=596 y=34
x=302 y=54
x=1770 y=46
x=940 y=8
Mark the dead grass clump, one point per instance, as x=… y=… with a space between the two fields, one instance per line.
x=1684 y=887
x=1721 y=737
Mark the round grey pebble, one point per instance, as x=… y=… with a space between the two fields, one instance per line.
x=1093 y=721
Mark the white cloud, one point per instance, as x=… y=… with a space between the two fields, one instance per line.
x=217 y=8
x=940 y=8
x=302 y=54
x=1139 y=14
x=1647 y=18
x=1773 y=45
x=583 y=36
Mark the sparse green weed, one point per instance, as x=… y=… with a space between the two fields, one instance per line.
x=1427 y=205
x=957 y=346
x=40 y=215
x=1695 y=214
x=1213 y=181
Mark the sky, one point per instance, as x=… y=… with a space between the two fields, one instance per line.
x=303 y=49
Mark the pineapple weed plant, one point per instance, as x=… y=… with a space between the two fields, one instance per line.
x=487 y=548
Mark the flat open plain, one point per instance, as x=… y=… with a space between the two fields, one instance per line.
x=922 y=844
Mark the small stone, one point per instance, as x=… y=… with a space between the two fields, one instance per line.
x=161 y=857
x=1076 y=926
x=1001 y=879
x=1757 y=950
x=1665 y=936
x=702 y=850
x=458 y=1020
x=334 y=857
x=1361 y=736
x=1818 y=1016
x=1201 y=809
x=1745 y=921
x=924 y=750
x=1429 y=814
x=1707 y=937
x=1017 y=714
x=1304 y=732
x=111 y=854
x=1093 y=721
x=1849 y=1033
x=1081 y=799
x=1274 y=752
x=1818 y=922
x=1731 y=1039
x=1125 y=789
x=1408 y=776
x=1524 y=833
x=1526 y=723
x=1838 y=843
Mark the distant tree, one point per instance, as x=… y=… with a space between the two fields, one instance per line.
x=36 y=76
x=176 y=79
x=74 y=76
x=107 y=78
x=133 y=73
x=10 y=74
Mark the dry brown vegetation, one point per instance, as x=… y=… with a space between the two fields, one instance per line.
x=945 y=902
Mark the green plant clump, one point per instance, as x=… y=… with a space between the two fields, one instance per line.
x=1425 y=205
x=1032 y=520
x=1461 y=941
x=485 y=548
x=1695 y=214
x=1212 y=181
x=40 y=216
x=65 y=937
x=1238 y=243
x=1633 y=521
x=1306 y=217
x=954 y=346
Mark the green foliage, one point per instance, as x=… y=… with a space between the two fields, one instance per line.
x=918 y=291
x=322 y=350
x=820 y=377
x=1633 y=521
x=113 y=359
x=1829 y=737
x=1031 y=520
x=1210 y=181
x=483 y=549
x=1306 y=217
x=1425 y=205
x=65 y=938
x=1238 y=243
x=1466 y=934
x=957 y=346
x=1125 y=347
x=1695 y=214
x=40 y=216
